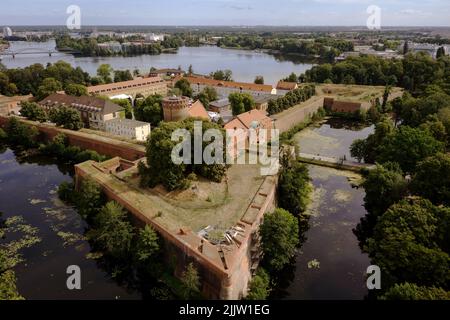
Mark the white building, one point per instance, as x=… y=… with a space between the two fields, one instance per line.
x=154 y=37
x=113 y=46
x=130 y=129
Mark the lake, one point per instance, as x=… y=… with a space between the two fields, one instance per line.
x=28 y=189
x=246 y=65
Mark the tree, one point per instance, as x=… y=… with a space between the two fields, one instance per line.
x=358 y=149
x=112 y=232
x=223 y=75
x=259 y=80
x=279 y=233
x=386 y=93
x=6 y=87
x=3 y=135
x=89 y=199
x=440 y=52
x=410 y=243
x=149 y=110
x=32 y=111
x=241 y=102
x=208 y=95
x=407 y=146
x=126 y=105
x=136 y=73
x=48 y=86
x=66 y=117
x=190 y=70
x=161 y=169
x=20 y=134
x=122 y=75
x=384 y=186
x=432 y=179
x=259 y=286
x=104 y=73
x=405 y=47
x=383 y=129
x=77 y=90
x=185 y=87
x=191 y=282
x=411 y=291
x=294 y=188
x=291 y=78
x=147 y=245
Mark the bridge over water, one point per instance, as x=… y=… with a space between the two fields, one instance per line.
x=337 y=163
x=32 y=50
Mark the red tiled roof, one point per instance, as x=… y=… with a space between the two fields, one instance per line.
x=284 y=85
x=197 y=110
x=138 y=82
x=245 y=120
x=229 y=84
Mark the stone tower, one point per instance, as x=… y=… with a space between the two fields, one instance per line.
x=175 y=108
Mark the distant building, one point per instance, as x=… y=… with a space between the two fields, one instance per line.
x=262 y=102
x=145 y=86
x=369 y=51
x=428 y=48
x=11 y=105
x=334 y=105
x=154 y=37
x=94 y=111
x=224 y=88
x=166 y=73
x=112 y=46
x=220 y=106
x=130 y=129
x=286 y=86
x=180 y=108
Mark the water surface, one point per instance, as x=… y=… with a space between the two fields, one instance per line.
x=28 y=189
x=245 y=64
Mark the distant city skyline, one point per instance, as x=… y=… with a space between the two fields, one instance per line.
x=227 y=12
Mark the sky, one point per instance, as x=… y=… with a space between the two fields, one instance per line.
x=227 y=12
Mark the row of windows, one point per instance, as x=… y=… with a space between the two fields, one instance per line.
x=130 y=86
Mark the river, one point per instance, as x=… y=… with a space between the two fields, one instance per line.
x=244 y=64
x=330 y=264
x=28 y=189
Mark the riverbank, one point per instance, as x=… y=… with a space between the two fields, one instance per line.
x=245 y=65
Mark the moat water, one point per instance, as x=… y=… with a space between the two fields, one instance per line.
x=329 y=265
x=244 y=64
x=28 y=189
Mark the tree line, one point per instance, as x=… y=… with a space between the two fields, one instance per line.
x=414 y=73
x=291 y=99
x=89 y=47
x=42 y=81
x=324 y=47
x=406 y=230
